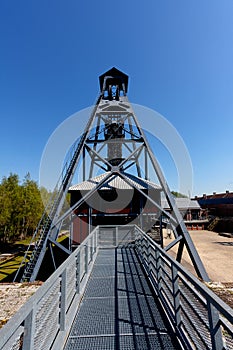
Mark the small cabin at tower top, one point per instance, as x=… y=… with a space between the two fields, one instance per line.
x=116 y=78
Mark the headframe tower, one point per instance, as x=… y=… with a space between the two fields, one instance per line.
x=114 y=147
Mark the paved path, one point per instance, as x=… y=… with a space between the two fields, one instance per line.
x=119 y=310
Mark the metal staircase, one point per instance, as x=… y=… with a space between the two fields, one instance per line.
x=213 y=223
x=45 y=230
x=32 y=260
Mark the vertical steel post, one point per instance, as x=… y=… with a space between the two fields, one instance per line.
x=84 y=164
x=78 y=272
x=29 y=331
x=146 y=164
x=214 y=327
x=116 y=236
x=92 y=247
x=86 y=258
x=95 y=239
x=158 y=270
x=176 y=295
x=63 y=301
x=149 y=258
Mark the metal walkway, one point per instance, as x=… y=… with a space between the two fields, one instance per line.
x=119 y=309
x=118 y=290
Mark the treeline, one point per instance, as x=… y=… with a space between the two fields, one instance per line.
x=178 y=194
x=21 y=207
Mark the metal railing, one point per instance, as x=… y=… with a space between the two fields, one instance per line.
x=44 y=320
x=200 y=319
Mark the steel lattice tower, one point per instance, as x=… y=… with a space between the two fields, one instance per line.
x=113 y=143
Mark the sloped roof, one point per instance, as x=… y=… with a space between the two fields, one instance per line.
x=182 y=203
x=115 y=181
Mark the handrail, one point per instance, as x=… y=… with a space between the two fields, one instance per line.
x=201 y=319
x=42 y=320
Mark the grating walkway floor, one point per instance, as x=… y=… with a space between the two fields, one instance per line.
x=118 y=310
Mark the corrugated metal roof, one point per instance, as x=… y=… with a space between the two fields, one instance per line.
x=182 y=203
x=115 y=181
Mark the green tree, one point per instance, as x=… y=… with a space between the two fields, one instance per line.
x=10 y=198
x=178 y=194
x=32 y=206
x=45 y=195
x=21 y=207
x=5 y=212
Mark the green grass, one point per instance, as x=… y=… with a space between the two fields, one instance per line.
x=9 y=266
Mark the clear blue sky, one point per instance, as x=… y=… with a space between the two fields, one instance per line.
x=178 y=54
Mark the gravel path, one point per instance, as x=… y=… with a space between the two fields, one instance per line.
x=13 y=296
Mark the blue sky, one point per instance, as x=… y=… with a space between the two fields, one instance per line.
x=178 y=54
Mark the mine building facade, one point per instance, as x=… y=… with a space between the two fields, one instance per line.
x=218 y=204
x=103 y=208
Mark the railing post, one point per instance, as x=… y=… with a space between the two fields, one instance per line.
x=144 y=248
x=29 y=330
x=135 y=237
x=176 y=296
x=78 y=272
x=131 y=236
x=96 y=238
x=141 y=246
x=86 y=258
x=158 y=270
x=149 y=258
x=92 y=247
x=214 y=327
x=148 y=253
x=138 y=244
x=116 y=236
x=63 y=302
